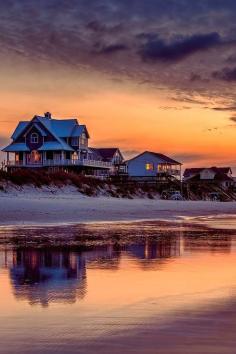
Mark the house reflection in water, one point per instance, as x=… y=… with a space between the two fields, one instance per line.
x=44 y=276
x=154 y=253
x=205 y=243
x=48 y=276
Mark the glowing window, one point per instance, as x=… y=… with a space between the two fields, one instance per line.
x=149 y=166
x=34 y=138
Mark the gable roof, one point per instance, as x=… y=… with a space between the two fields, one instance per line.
x=61 y=128
x=78 y=130
x=162 y=157
x=107 y=153
x=37 y=126
x=58 y=128
x=193 y=171
x=19 y=129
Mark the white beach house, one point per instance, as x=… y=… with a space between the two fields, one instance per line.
x=152 y=164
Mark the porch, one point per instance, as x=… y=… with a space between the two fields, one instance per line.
x=41 y=159
x=61 y=162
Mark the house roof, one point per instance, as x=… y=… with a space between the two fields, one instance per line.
x=58 y=128
x=37 y=126
x=162 y=157
x=19 y=129
x=218 y=177
x=106 y=153
x=223 y=177
x=55 y=145
x=78 y=130
x=16 y=147
x=61 y=128
x=193 y=171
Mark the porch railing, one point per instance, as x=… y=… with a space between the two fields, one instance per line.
x=172 y=172
x=49 y=163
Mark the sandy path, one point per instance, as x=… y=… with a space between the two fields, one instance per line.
x=35 y=209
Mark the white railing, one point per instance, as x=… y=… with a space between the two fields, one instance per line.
x=48 y=163
x=172 y=172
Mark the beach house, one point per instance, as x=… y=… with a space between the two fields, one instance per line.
x=153 y=164
x=221 y=176
x=47 y=142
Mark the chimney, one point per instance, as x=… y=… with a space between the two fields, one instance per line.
x=48 y=115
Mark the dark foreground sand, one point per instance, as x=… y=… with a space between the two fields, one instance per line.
x=193 y=332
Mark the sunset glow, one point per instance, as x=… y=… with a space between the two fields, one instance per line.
x=139 y=84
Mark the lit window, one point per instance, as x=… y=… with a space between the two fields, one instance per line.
x=34 y=138
x=149 y=166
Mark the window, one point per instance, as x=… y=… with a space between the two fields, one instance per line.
x=163 y=167
x=67 y=155
x=83 y=140
x=34 y=138
x=149 y=166
x=75 y=141
x=49 y=155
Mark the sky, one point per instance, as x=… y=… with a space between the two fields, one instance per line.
x=156 y=75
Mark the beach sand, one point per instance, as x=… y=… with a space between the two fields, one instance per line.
x=206 y=328
x=41 y=208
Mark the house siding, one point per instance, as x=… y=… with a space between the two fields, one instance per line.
x=32 y=129
x=136 y=167
x=33 y=146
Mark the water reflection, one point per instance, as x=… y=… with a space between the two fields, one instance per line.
x=44 y=276
x=48 y=275
x=215 y=243
x=88 y=289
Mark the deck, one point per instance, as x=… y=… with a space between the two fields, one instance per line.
x=62 y=163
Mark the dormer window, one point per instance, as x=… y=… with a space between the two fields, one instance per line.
x=34 y=139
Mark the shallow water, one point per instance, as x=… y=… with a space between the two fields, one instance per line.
x=132 y=288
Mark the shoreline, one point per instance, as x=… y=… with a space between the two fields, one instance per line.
x=68 y=209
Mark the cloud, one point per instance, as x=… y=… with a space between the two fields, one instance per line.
x=226 y=74
x=159 y=50
x=198 y=78
x=102 y=28
x=111 y=49
x=223 y=109
x=110 y=37
x=3 y=141
x=128 y=154
x=195 y=77
x=190 y=157
x=233 y=119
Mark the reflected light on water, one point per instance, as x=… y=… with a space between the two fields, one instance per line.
x=56 y=295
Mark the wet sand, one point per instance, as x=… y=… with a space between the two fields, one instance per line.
x=196 y=331
x=143 y=288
